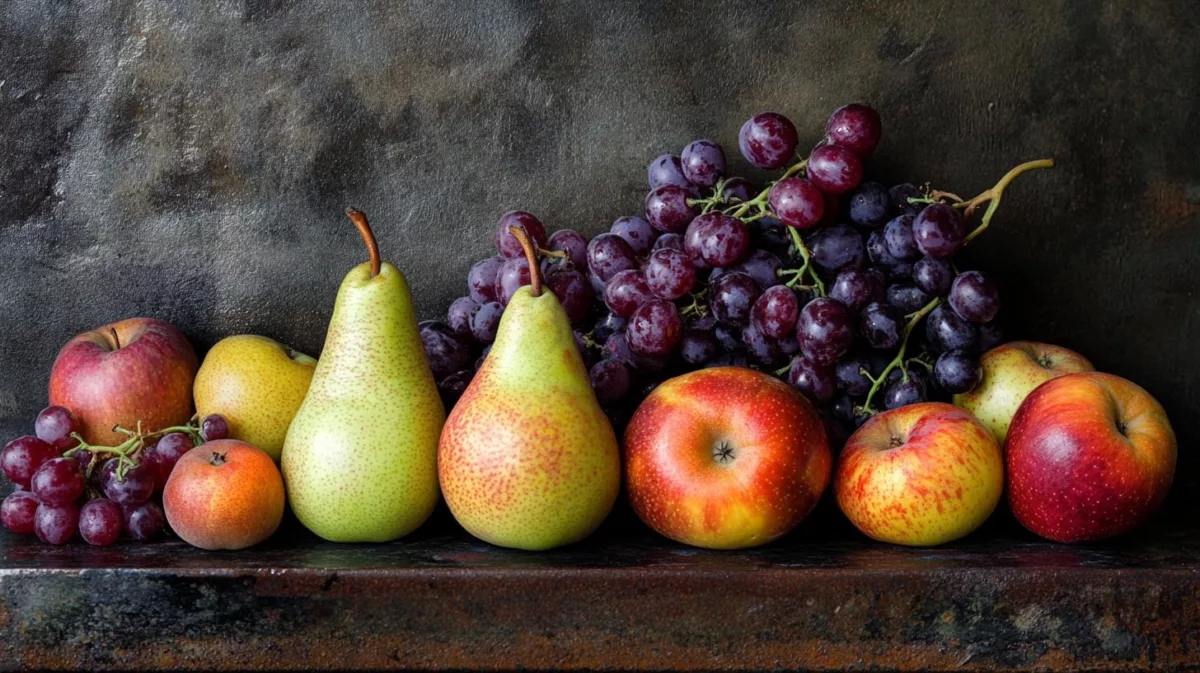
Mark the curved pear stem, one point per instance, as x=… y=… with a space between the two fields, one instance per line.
x=535 y=272
x=359 y=218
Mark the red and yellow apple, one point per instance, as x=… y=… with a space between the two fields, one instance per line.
x=134 y=370
x=920 y=475
x=1010 y=372
x=1090 y=456
x=224 y=494
x=725 y=458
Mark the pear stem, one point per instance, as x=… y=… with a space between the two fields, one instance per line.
x=535 y=272
x=359 y=218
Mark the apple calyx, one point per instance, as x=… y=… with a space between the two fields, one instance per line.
x=535 y=271
x=895 y=442
x=359 y=218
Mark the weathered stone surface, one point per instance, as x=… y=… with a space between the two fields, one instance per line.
x=190 y=160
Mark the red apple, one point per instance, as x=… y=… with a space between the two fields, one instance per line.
x=725 y=458
x=224 y=494
x=1090 y=456
x=921 y=475
x=139 y=369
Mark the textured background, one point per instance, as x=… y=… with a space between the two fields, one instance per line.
x=190 y=160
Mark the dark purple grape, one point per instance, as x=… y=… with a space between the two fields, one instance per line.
x=974 y=297
x=165 y=453
x=728 y=360
x=481 y=279
x=617 y=348
x=898 y=235
x=842 y=408
x=729 y=337
x=907 y=298
x=857 y=287
x=851 y=375
x=571 y=242
x=904 y=392
x=881 y=326
x=833 y=169
x=704 y=323
x=737 y=190
x=507 y=244
x=703 y=162
x=100 y=522
x=609 y=254
x=58 y=481
x=655 y=328
x=135 y=488
x=459 y=315
x=698 y=347
x=693 y=237
x=668 y=211
x=637 y=233
x=762 y=348
x=900 y=272
x=444 y=352
x=870 y=205
x=56 y=524
x=573 y=291
x=776 y=311
x=946 y=331
x=762 y=266
x=669 y=242
x=486 y=321
x=990 y=336
x=767 y=140
x=836 y=432
x=596 y=283
x=933 y=276
x=18 y=511
x=214 y=427
x=670 y=274
x=453 y=386
x=877 y=250
x=788 y=347
x=145 y=521
x=54 y=426
x=957 y=371
x=21 y=457
x=855 y=127
x=610 y=380
x=625 y=292
x=815 y=381
x=514 y=274
x=732 y=296
x=796 y=202
x=899 y=196
x=607 y=325
x=667 y=170
x=586 y=351
x=938 y=231
x=770 y=235
x=721 y=240
x=837 y=247
x=825 y=330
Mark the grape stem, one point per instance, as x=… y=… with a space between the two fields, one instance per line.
x=535 y=271
x=126 y=451
x=992 y=196
x=898 y=360
x=359 y=218
x=807 y=266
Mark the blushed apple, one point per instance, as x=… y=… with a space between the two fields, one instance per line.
x=1010 y=372
x=725 y=458
x=139 y=369
x=1090 y=456
x=920 y=475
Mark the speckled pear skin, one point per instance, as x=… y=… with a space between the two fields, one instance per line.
x=360 y=459
x=527 y=458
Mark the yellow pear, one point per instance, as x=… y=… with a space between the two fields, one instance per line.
x=257 y=384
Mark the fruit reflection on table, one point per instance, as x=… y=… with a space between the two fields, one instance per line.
x=730 y=351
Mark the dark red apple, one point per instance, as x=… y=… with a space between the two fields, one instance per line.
x=139 y=369
x=1089 y=456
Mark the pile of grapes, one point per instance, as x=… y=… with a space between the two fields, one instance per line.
x=821 y=277
x=64 y=484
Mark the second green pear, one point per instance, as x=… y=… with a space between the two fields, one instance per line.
x=360 y=458
x=527 y=458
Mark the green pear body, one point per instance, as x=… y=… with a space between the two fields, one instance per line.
x=360 y=458
x=527 y=458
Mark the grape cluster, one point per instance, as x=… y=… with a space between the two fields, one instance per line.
x=822 y=278
x=64 y=485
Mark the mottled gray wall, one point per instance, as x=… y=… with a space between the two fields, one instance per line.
x=190 y=160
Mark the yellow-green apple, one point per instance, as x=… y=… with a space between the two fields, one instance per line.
x=134 y=370
x=1010 y=372
x=725 y=458
x=1090 y=456
x=257 y=384
x=224 y=494
x=920 y=475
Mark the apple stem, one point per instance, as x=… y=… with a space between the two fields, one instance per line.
x=116 y=339
x=359 y=218
x=898 y=361
x=535 y=271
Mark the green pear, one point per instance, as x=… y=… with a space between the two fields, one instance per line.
x=360 y=459
x=527 y=458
